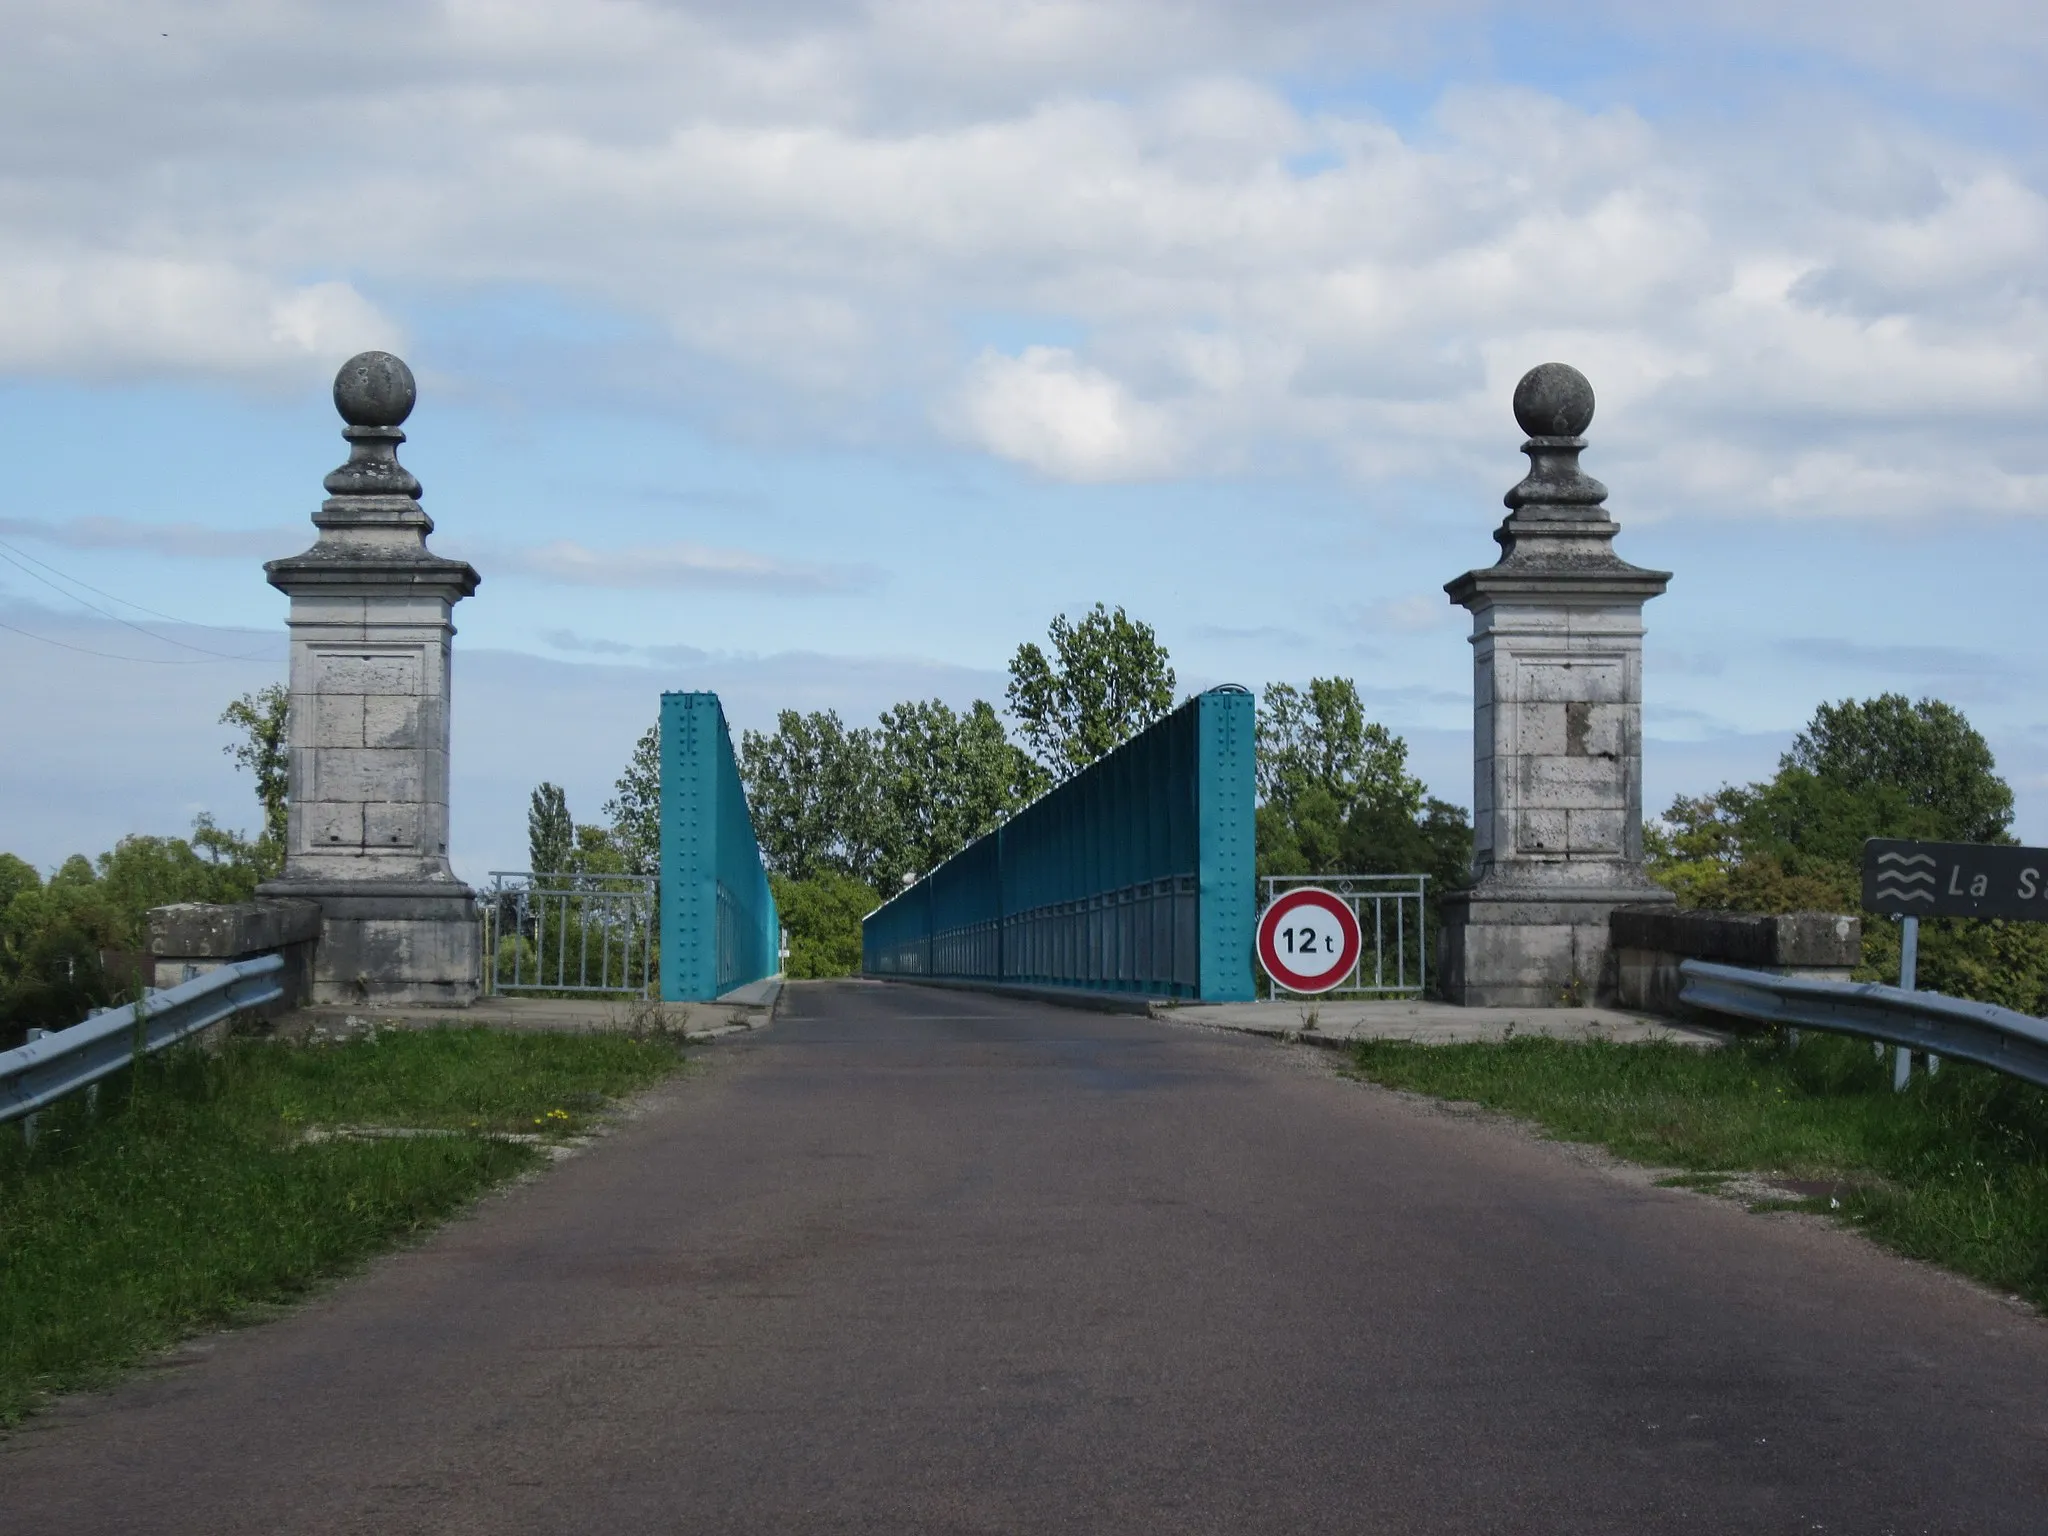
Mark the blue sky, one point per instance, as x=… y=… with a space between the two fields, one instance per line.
x=822 y=354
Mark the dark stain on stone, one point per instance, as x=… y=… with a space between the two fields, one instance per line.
x=1578 y=724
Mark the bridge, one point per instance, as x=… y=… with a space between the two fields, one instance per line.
x=940 y=1250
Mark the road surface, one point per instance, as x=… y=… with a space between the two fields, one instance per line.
x=927 y=1261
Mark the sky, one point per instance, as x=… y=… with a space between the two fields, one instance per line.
x=820 y=354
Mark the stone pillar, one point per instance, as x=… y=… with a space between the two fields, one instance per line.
x=1557 y=757
x=370 y=638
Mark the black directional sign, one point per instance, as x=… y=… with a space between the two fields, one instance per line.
x=1908 y=879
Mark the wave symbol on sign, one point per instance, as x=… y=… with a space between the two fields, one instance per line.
x=1909 y=881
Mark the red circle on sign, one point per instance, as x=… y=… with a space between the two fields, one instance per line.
x=1328 y=918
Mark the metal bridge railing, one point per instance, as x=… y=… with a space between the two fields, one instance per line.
x=37 y=1075
x=569 y=932
x=1391 y=912
x=2009 y=1042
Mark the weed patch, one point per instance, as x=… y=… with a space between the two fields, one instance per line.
x=1954 y=1170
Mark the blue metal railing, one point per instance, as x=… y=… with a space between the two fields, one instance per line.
x=719 y=926
x=1135 y=875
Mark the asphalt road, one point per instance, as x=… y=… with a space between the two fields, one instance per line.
x=923 y=1261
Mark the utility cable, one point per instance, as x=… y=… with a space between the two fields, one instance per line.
x=153 y=661
x=115 y=617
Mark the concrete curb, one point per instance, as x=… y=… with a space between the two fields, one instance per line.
x=765 y=993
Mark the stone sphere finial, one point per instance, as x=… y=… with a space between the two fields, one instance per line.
x=1553 y=400
x=375 y=389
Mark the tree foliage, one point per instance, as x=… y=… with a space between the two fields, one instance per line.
x=822 y=915
x=264 y=719
x=634 y=810
x=71 y=942
x=1106 y=680
x=811 y=783
x=876 y=803
x=550 y=832
x=1927 y=752
x=943 y=779
x=1337 y=798
x=1879 y=767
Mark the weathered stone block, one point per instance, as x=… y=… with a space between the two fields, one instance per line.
x=1543 y=831
x=331 y=825
x=1540 y=954
x=1572 y=783
x=391 y=722
x=1597 y=831
x=1574 y=681
x=1744 y=938
x=1651 y=942
x=1596 y=730
x=192 y=938
x=337 y=721
x=367 y=774
x=391 y=826
x=352 y=672
x=1541 y=729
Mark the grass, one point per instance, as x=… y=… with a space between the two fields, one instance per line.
x=193 y=1198
x=1954 y=1170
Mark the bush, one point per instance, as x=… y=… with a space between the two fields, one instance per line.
x=55 y=933
x=823 y=917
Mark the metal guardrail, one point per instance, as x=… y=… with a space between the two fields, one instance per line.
x=1951 y=1027
x=552 y=931
x=36 y=1075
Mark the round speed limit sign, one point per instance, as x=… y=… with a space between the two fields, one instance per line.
x=1309 y=940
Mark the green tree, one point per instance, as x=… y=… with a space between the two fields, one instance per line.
x=1928 y=751
x=58 y=937
x=16 y=876
x=550 y=833
x=1107 y=679
x=264 y=719
x=1337 y=797
x=1316 y=736
x=596 y=851
x=1876 y=768
x=816 y=800
x=635 y=807
x=943 y=779
x=823 y=917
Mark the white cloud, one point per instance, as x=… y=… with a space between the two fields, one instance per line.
x=1050 y=411
x=98 y=313
x=190 y=540
x=803 y=212
x=679 y=565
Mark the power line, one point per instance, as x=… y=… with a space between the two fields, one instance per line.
x=114 y=597
x=105 y=614
x=153 y=661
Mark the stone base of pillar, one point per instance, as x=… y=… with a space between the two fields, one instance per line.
x=412 y=943
x=1509 y=948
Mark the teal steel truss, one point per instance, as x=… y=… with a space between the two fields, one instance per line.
x=719 y=926
x=1135 y=875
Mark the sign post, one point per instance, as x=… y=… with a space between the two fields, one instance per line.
x=1909 y=880
x=1902 y=878
x=1309 y=940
